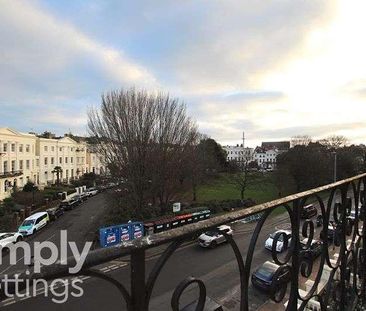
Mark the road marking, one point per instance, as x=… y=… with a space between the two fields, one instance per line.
x=50 y=237
x=9 y=303
x=6 y=300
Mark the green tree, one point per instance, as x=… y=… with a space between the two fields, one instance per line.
x=308 y=166
x=58 y=171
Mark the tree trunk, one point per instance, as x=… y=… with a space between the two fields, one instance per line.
x=194 y=192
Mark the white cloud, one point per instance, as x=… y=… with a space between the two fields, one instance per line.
x=277 y=67
x=40 y=45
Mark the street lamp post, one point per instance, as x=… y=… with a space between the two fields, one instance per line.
x=335 y=166
x=33 y=189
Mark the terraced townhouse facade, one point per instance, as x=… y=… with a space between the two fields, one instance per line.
x=26 y=157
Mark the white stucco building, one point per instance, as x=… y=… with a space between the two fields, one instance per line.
x=94 y=162
x=18 y=160
x=26 y=157
x=238 y=153
x=63 y=152
x=266 y=158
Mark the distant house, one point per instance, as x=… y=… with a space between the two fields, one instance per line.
x=281 y=146
x=238 y=153
x=266 y=158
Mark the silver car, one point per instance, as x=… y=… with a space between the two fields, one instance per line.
x=213 y=238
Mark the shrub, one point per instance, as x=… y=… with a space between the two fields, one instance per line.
x=6 y=223
x=26 y=198
x=29 y=187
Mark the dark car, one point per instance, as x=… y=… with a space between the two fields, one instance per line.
x=69 y=204
x=55 y=212
x=84 y=196
x=313 y=251
x=319 y=220
x=78 y=198
x=308 y=211
x=333 y=234
x=263 y=277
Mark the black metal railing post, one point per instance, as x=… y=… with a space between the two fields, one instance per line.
x=343 y=246
x=362 y=259
x=295 y=227
x=138 y=287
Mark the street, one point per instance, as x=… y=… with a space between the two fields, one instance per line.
x=216 y=267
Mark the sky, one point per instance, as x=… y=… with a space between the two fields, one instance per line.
x=273 y=69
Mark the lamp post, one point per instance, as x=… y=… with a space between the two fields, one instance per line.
x=33 y=190
x=335 y=166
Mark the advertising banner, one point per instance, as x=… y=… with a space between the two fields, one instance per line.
x=120 y=233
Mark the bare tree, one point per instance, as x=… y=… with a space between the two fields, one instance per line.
x=143 y=138
x=334 y=141
x=300 y=140
x=243 y=176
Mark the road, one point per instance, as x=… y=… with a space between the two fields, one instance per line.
x=80 y=224
x=216 y=267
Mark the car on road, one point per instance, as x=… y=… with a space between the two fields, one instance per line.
x=212 y=238
x=280 y=247
x=84 y=196
x=308 y=211
x=91 y=192
x=34 y=223
x=69 y=204
x=8 y=238
x=333 y=234
x=263 y=277
x=55 y=212
x=314 y=250
x=78 y=198
x=319 y=220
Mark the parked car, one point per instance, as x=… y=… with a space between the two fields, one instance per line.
x=84 y=196
x=10 y=238
x=69 y=204
x=55 y=212
x=213 y=238
x=280 y=247
x=78 y=199
x=314 y=250
x=333 y=234
x=263 y=277
x=91 y=192
x=319 y=220
x=102 y=188
x=34 y=223
x=308 y=211
x=111 y=185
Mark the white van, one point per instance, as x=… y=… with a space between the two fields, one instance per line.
x=33 y=223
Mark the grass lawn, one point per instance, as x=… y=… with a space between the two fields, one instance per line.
x=222 y=189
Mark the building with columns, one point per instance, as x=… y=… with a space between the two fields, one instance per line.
x=238 y=153
x=18 y=160
x=94 y=162
x=28 y=157
x=63 y=152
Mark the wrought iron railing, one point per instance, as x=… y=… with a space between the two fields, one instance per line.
x=338 y=282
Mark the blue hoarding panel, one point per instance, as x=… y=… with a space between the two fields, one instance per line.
x=121 y=233
x=124 y=233
x=136 y=230
x=109 y=236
